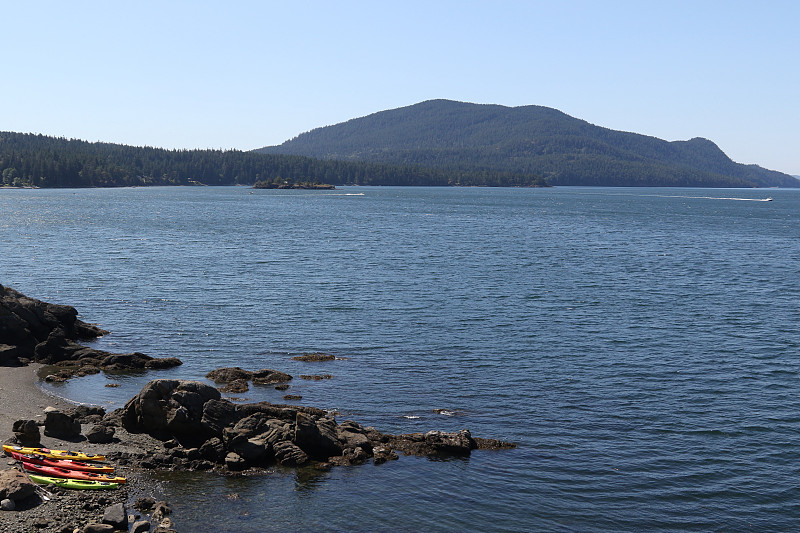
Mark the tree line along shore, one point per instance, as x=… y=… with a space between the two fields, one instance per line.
x=28 y=160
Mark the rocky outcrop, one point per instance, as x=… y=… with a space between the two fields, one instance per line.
x=200 y=430
x=317 y=436
x=48 y=333
x=26 y=323
x=170 y=408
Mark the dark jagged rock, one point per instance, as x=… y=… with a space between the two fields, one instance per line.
x=460 y=442
x=9 y=355
x=15 y=485
x=246 y=428
x=26 y=322
x=169 y=407
x=434 y=443
x=236 y=386
x=382 y=454
x=200 y=429
x=352 y=435
x=226 y=375
x=88 y=414
x=140 y=526
x=116 y=516
x=100 y=434
x=61 y=425
x=159 y=363
x=161 y=510
x=217 y=414
x=234 y=462
x=317 y=437
x=144 y=504
x=253 y=451
x=213 y=449
x=316 y=377
x=493 y=444
x=288 y=454
x=26 y=432
x=267 y=376
x=114 y=418
x=48 y=333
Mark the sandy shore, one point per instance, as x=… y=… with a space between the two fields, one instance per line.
x=21 y=399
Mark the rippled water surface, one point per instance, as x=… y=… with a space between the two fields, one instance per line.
x=640 y=345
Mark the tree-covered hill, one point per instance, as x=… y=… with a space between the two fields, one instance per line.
x=41 y=161
x=530 y=140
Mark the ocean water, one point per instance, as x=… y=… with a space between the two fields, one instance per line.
x=640 y=345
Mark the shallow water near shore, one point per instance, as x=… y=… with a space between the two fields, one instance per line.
x=640 y=345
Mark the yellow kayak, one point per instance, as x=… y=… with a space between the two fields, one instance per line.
x=57 y=454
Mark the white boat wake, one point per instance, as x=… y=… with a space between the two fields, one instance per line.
x=714 y=198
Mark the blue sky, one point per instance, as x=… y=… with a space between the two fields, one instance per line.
x=246 y=74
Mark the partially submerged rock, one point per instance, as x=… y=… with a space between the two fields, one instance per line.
x=237 y=378
x=314 y=357
x=227 y=375
x=236 y=386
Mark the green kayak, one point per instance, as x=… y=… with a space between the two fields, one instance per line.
x=72 y=483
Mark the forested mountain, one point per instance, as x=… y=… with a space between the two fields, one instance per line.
x=526 y=141
x=41 y=161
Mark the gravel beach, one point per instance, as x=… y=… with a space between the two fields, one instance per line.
x=62 y=510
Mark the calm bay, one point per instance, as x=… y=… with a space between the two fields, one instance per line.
x=640 y=345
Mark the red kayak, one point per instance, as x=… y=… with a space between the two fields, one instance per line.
x=36 y=459
x=54 y=471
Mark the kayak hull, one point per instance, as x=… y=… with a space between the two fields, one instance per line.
x=52 y=471
x=76 y=484
x=62 y=463
x=55 y=454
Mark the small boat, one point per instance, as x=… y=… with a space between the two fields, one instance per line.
x=55 y=454
x=61 y=463
x=768 y=199
x=72 y=483
x=54 y=471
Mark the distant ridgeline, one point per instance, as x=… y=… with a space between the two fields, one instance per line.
x=41 y=161
x=526 y=141
x=438 y=142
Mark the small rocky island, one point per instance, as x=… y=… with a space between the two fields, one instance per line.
x=279 y=183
